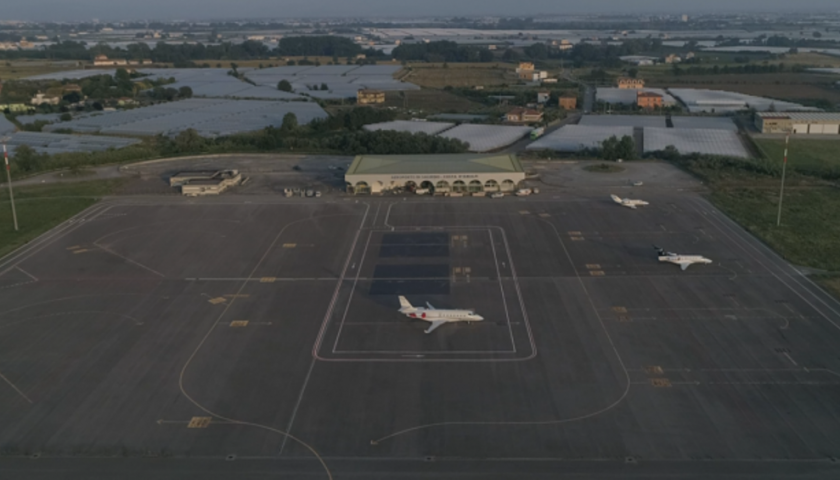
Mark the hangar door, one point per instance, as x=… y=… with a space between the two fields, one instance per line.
x=818 y=129
x=800 y=128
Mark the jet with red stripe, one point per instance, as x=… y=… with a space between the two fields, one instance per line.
x=437 y=317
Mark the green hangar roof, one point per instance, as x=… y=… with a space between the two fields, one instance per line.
x=433 y=164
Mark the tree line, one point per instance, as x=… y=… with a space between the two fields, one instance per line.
x=326 y=45
x=339 y=134
x=442 y=51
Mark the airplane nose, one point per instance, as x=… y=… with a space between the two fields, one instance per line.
x=479 y=317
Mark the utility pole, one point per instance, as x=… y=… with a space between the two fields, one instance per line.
x=782 y=189
x=9 y=180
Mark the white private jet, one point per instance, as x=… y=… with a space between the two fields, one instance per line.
x=627 y=202
x=435 y=316
x=684 y=261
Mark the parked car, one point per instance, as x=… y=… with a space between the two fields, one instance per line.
x=497 y=195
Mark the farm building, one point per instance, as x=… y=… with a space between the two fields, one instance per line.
x=798 y=123
x=456 y=173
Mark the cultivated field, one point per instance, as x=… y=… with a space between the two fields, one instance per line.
x=430 y=100
x=11 y=70
x=434 y=75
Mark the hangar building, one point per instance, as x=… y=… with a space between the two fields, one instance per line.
x=441 y=174
x=798 y=123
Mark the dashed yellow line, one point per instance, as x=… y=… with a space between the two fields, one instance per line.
x=239 y=323
x=268 y=279
x=660 y=382
x=199 y=422
x=217 y=300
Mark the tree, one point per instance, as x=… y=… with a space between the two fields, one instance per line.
x=817 y=34
x=189 y=141
x=537 y=51
x=185 y=92
x=627 y=148
x=633 y=72
x=65 y=117
x=324 y=87
x=510 y=55
x=284 y=86
x=26 y=158
x=290 y=122
x=609 y=148
x=614 y=148
x=72 y=97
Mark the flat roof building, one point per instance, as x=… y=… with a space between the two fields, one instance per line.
x=798 y=123
x=367 y=97
x=440 y=174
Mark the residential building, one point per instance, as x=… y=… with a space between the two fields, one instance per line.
x=568 y=102
x=104 y=61
x=689 y=55
x=523 y=115
x=42 y=98
x=673 y=59
x=648 y=100
x=525 y=67
x=532 y=76
x=542 y=97
x=367 y=97
x=627 y=82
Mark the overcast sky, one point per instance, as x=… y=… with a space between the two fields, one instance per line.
x=73 y=10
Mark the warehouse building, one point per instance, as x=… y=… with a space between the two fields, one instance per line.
x=438 y=174
x=798 y=123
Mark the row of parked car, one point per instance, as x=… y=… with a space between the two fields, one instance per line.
x=302 y=192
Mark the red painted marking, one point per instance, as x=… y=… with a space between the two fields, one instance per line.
x=424 y=315
x=412 y=315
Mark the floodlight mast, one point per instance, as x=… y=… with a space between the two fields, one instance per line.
x=782 y=188
x=9 y=181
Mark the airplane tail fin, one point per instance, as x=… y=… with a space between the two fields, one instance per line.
x=616 y=198
x=404 y=303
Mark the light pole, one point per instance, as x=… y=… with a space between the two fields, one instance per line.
x=9 y=180
x=782 y=188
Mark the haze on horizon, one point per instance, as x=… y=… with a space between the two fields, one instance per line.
x=105 y=10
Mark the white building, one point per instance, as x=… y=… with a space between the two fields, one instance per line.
x=441 y=174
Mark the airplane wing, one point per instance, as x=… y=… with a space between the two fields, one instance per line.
x=631 y=206
x=430 y=306
x=435 y=325
x=684 y=265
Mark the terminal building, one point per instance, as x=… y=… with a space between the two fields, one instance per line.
x=798 y=123
x=438 y=174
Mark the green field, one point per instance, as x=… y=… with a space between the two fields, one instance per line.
x=829 y=282
x=811 y=157
x=810 y=226
x=40 y=208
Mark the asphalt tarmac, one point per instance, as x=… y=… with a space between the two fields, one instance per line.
x=257 y=337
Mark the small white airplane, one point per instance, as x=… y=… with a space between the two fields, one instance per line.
x=684 y=261
x=627 y=202
x=435 y=316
